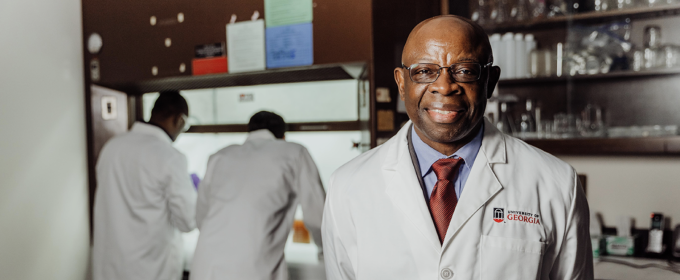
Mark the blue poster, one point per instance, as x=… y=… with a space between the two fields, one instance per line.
x=289 y=45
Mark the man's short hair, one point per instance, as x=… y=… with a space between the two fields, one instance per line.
x=169 y=104
x=268 y=120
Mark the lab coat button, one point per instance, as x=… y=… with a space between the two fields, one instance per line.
x=447 y=273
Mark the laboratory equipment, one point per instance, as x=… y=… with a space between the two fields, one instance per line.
x=655 y=244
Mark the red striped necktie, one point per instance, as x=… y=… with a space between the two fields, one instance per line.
x=443 y=199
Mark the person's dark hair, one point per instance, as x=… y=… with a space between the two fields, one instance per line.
x=169 y=104
x=268 y=120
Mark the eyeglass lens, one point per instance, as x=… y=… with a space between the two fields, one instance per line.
x=461 y=72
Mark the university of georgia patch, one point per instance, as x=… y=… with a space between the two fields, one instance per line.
x=498 y=215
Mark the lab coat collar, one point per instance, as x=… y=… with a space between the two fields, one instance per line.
x=427 y=155
x=260 y=134
x=149 y=129
x=403 y=187
x=493 y=144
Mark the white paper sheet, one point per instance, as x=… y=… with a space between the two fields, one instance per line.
x=245 y=46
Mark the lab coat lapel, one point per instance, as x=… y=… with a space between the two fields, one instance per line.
x=482 y=184
x=404 y=189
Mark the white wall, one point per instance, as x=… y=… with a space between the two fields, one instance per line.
x=631 y=186
x=43 y=171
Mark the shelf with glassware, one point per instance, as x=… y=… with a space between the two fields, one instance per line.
x=589 y=52
x=586 y=133
x=605 y=88
x=514 y=15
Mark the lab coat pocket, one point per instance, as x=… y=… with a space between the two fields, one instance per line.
x=508 y=258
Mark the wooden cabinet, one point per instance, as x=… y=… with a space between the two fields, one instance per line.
x=132 y=45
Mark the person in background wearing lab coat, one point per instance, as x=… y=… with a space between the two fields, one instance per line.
x=144 y=198
x=451 y=197
x=247 y=202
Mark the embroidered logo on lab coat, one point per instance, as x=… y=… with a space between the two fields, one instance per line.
x=498 y=215
x=523 y=217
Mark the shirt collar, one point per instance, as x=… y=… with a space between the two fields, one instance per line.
x=150 y=129
x=260 y=134
x=427 y=155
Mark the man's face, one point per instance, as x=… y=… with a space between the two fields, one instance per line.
x=444 y=111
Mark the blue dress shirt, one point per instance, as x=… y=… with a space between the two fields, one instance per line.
x=428 y=156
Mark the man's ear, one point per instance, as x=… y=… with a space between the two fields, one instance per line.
x=494 y=75
x=399 y=78
x=176 y=120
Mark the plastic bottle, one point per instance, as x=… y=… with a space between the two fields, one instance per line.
x=508 y=53
x=530 y=45
x=495 y=41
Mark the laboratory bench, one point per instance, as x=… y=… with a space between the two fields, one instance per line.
x=298 y=271
x=607 y=268
x=610 y=267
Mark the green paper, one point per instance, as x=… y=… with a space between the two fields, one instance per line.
x=286 y=12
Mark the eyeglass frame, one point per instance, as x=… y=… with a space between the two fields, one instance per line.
x=439 y=71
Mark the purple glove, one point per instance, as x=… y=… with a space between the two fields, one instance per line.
x=195 y=180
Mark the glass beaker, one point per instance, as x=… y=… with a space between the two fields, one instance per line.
x=565 y=125
x=638 y=60
x=519 y=11
x=478 y=11
x=670 y=56
x=505 y=123
x=499 y=11
x=653 y=56
x=537 y=9
x=592 y=124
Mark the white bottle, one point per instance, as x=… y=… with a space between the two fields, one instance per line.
x=520 y=56
x=530 y=45
x=508 y=53
x=495 y=41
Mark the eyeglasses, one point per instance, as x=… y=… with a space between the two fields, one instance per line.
x=425 y=73
x=186 y=123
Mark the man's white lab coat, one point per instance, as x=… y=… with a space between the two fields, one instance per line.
x=144 y=198
x=246 y=206
x=522 y=215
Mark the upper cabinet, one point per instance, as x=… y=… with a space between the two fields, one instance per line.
x=144 y=40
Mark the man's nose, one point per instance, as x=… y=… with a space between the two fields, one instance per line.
x=445 y=84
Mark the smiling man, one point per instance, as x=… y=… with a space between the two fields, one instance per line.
x=451 y=197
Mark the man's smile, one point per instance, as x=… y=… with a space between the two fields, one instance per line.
x=440 y=113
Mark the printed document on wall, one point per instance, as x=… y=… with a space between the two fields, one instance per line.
x=285 y=12
x=289 y=45
x=245 y=46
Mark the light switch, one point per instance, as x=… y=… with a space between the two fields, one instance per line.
x=109 y=108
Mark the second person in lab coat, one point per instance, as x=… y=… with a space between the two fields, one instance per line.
x=247 y=203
